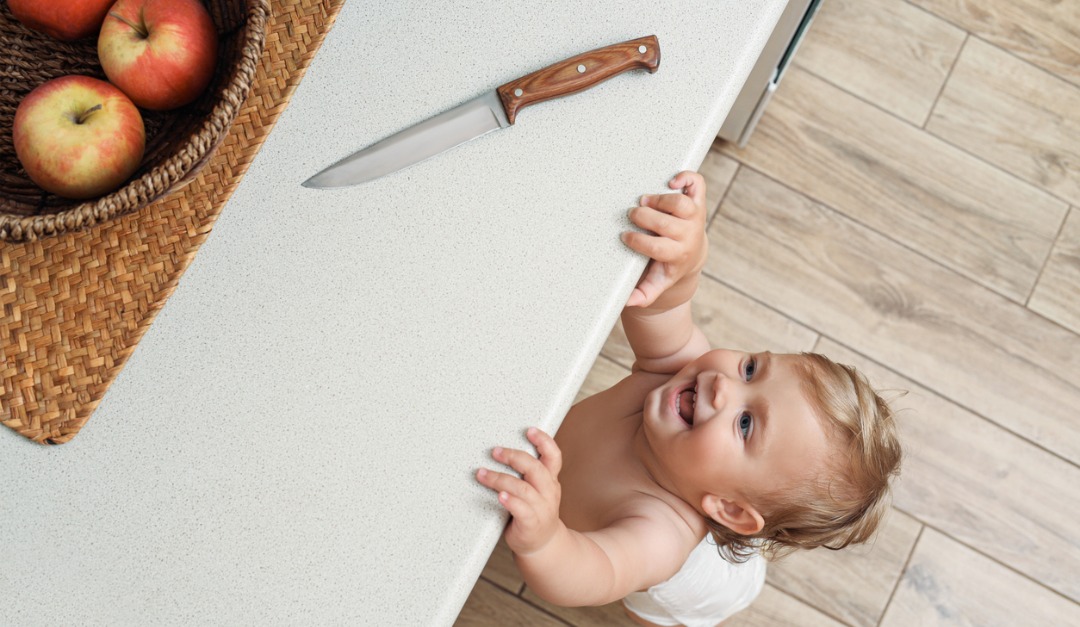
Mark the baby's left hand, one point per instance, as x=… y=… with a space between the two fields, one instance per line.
x=533 y=500
x=677 y=245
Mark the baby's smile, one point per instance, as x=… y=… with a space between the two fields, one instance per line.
x=686 y=402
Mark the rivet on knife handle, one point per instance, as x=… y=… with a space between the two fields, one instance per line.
x=578 y=73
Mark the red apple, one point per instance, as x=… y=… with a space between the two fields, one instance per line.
x=78 y=137
x=161 y=53
x=64 y=19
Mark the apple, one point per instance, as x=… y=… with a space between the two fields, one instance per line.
x=161 y=53
x=63 y=19
x=78 y=137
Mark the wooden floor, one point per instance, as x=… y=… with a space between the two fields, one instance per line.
x=910 y=204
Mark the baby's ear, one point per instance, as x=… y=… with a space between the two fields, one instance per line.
x=740 y=517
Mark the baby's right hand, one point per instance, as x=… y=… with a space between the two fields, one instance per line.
x=533 y=500
x=679 y=247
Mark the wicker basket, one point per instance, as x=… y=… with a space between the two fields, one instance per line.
x=178 y=142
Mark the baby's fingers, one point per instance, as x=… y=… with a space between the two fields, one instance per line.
x=692 y=184
x=659 y=222
x=532 y=470
x=678 y=205
x=550 y=454
x=506 y=485
x=654 y=282
x=523 y=512
x=662 y=249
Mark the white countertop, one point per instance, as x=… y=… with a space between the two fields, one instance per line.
x=294 y=439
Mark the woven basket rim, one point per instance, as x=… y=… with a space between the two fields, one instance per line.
x=172 y=173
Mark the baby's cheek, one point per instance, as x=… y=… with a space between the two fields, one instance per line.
x=714 y=456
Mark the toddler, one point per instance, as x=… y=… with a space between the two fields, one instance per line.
x=764 y=453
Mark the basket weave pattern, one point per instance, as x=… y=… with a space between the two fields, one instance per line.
x=177 y=142
x=74 y=306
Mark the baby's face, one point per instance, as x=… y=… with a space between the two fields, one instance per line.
x=735 y=425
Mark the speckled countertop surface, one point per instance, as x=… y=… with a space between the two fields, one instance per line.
x=294 y=439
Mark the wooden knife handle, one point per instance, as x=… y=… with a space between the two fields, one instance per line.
x=579 y=73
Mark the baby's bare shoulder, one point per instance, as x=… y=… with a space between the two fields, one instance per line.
x=663 y=510
x=628 y=395
x=654 y=535
x=653 y=512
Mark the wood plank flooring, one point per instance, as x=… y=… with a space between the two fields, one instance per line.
x=910 y=204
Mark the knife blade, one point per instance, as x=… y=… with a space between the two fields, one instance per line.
x=491 y=111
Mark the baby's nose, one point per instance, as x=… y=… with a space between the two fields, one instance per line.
x=720 y=388
x=725 y=389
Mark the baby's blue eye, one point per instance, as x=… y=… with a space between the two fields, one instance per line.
x=746 y=425
x=751 y=368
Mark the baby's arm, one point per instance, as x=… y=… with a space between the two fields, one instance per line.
x=572 y=568
x=657 y=316
x=602 y=566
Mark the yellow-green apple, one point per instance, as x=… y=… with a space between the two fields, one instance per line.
x=161 y=53
x=64 y=19
x=78 y=137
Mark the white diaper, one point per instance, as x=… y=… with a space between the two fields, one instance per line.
x=705 y=591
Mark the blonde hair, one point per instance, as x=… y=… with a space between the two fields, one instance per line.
x=846 y=504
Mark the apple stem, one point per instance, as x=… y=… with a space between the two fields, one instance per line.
x=82 y=118
x=139 y=28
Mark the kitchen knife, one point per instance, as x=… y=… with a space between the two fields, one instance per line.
x=492 y=111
